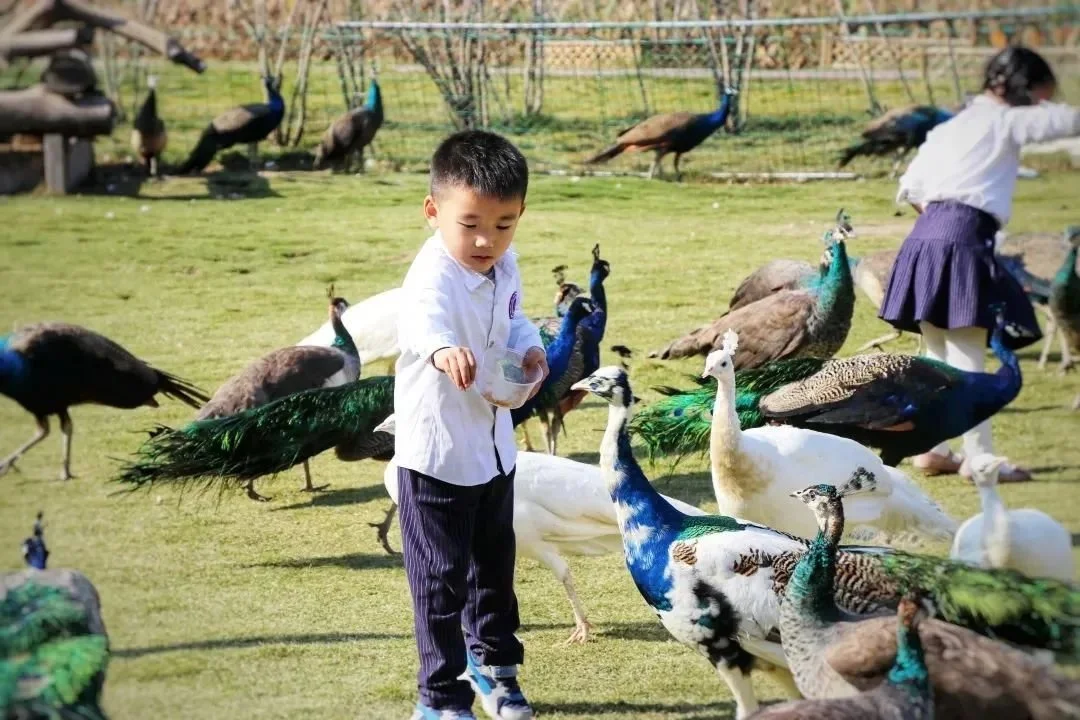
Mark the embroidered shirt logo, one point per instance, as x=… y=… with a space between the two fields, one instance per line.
x=513 y=305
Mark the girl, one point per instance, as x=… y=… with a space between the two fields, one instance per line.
x=961 y=183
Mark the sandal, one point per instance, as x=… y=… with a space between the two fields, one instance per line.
x=932 y=463
x=1007 y=473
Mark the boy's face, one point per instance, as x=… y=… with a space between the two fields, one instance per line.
x=476 y=229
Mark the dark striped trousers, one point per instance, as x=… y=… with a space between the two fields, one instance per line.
x=458 y=544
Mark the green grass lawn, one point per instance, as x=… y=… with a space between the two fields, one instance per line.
x=236 y=609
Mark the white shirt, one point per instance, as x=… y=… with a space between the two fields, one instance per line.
x=442 y=431
x=974 y=157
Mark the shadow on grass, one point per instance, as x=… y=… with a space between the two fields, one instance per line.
x=1026 y=410
x=334 y=498
x=646 y=631
x=352 y=561
x=713 y=711
x=256 y=641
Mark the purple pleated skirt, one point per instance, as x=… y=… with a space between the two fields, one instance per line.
x=946 y=274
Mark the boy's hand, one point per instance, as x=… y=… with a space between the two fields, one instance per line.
x=536 y=357
x=458 y=363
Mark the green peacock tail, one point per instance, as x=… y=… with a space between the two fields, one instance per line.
x=679 y=424
x=63 y=678
x=1001 y=604
x=226 y=452
x=32 y=614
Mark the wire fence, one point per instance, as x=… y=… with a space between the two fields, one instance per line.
x=562 y=91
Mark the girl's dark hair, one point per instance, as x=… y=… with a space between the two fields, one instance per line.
x=1017 y=71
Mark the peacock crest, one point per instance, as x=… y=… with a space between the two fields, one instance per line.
x=862 y=480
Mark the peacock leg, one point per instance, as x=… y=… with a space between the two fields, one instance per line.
x=556 y=426
x=66 y=429
x=678 y=173
x=525 y=434
x=1066 y=353
x=153 y=167
x=253 y=155
x=900 y=155
x=250 y=487
x=360 y=157
x=741 y=689
x=384 y=529
x=545 y=426
x=308 y=487
x=655 y=167
x=878 y=342
x=562 y=572
x=1048 y=340
x=1076 y=402
x=8 y=463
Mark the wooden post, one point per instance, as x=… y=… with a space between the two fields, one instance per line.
x=54 y=147
x=44 y=42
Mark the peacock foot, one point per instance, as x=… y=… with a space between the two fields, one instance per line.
x=1066 y=367
x=314 y=488
x=66 y=475
x=384 y=530
x=580 y=636
x=256 y=496
x=9 y=465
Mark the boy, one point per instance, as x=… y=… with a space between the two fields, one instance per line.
x=455 y=451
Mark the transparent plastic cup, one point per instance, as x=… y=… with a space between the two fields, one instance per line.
x=504 y=382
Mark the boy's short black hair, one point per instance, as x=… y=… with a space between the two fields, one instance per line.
x=481 y=161
x=1017 y=71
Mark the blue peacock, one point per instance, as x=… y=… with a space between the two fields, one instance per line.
x=902 y=405
x=569 y=355
x=897 y=133
x=677 y=133
x=835 y=654
x=248 y=124
x=53 y=651
x=716 y=582
x=50 y=367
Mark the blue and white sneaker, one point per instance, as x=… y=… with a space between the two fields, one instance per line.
x=498 y=689
x=423 y=712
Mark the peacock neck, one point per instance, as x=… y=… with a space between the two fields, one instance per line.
x=596 y=289
x=725 y=438
x=1066 y=274
x=1006 y=383
x=637 y=501
x=995 y=527
x=720 y=115
x=274 y=100
x=909 y=669
x=837 y=294
x=558 y=354
x=811 y=587
x=342 y=339
x=12 y=369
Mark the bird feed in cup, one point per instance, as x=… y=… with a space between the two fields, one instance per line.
x=504 y=382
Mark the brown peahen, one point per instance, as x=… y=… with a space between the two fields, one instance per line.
x=788 y=324
x=148 y=135
x=287 y=371
x=350 y=133
x=50 y=367
x=677 y=133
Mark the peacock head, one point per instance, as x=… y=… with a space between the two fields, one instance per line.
x=35 y=553
x=566 y=293
x=338 y=305
x=985 y=468
x=151 y=82
x=910 y=611
x=600 y=268
x=720 y=364
x=843 y=230
x=580 y=308
x=611 y=383
x=388 y=426
x=820 y=498
x=374 y=95
x=1072 y=235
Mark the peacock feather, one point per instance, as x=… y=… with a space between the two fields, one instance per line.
x=51 y=666
x=680 y=424
x=229 y=451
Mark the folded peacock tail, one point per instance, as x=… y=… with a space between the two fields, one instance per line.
x=1001 y=604
x=679 y=424
x=32 y=614
x=66 y=677
x=265 y=440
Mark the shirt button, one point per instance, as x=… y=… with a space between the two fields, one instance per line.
x=491 y=343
